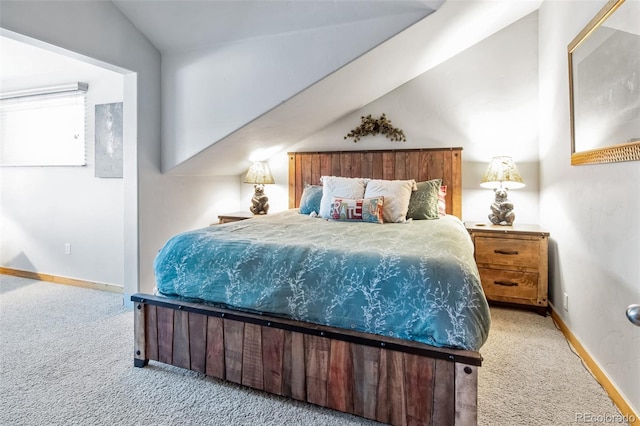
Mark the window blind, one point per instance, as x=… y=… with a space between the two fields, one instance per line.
x=44 y=128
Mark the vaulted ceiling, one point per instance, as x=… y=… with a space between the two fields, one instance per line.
x=425 y=40
x=176 y=25
x=456 y=26
x=225 y=43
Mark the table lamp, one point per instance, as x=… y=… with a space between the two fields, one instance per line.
x=259 y=174
x=502 y=175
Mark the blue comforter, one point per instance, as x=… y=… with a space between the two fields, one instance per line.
x=415 y=281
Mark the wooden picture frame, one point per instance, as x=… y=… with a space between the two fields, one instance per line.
x=604 y=86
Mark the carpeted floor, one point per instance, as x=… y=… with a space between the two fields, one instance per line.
x=66 y=358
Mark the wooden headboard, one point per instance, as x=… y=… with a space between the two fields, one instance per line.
x=418 y=164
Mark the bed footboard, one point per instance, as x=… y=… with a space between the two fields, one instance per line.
x=376 y=377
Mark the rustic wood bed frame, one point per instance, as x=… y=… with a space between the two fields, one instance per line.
x=381 y=378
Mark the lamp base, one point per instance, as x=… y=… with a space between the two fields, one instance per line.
x=502 y=209
x=259 y=201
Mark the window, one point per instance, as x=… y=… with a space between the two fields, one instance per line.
x=43 y=127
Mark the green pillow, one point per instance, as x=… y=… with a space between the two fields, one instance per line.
x=424 y=202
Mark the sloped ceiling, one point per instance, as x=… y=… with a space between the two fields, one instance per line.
x=173 y=25
x=178 y=25
x=456 y=26
x=225 y=64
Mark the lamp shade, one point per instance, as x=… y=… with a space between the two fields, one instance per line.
x=502 y=173
x=259 y=173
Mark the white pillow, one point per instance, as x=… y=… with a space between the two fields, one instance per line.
x=396 y=193
x=333 y=186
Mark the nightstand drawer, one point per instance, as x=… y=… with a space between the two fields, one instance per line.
x=512 y=261
x=499 y=283
x=234 y=217
x=507 y=251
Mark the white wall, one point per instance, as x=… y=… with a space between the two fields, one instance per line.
x=483 y=99
x=42 y=208
x=593 y=214
x=210 y=93
x=156 y=206
x=97 y=32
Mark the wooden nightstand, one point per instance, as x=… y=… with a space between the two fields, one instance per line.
x=234 y=217
x=513 y=263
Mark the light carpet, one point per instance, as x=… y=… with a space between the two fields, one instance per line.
x=66 y=358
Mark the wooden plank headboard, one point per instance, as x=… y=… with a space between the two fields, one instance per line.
x=418 y=164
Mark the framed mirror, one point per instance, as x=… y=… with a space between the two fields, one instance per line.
x=604 y=86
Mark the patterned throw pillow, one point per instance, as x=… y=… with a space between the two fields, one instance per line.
x=396 y=193
x=310 y=199
x=334 y=186
x=442 y=202
x=360 y=210
x=424 y=201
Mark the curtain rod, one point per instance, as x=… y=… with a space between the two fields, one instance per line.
x=60 y=88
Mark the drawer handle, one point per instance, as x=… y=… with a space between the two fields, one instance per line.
x=506 y=251
x=506 y=283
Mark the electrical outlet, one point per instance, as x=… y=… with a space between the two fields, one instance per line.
x=67 y=248
x=565 y=302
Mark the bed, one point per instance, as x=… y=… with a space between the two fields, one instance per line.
x=291 y=312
